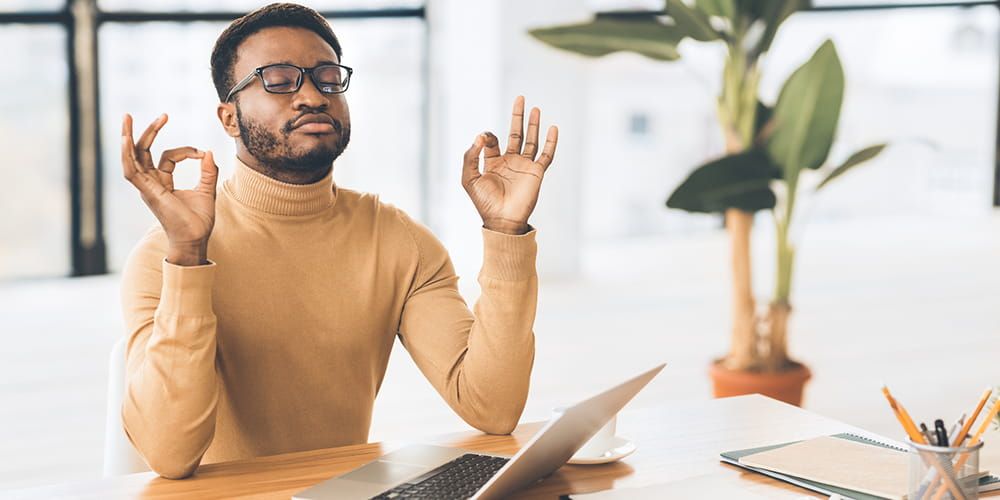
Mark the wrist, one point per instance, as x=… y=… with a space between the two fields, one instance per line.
x=194 y=254
x=506 y=226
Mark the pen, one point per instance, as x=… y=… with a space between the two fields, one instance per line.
x=953 y=432
x=926 y=433
x=941 y=433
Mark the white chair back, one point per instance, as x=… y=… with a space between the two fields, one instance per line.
x=120 y=456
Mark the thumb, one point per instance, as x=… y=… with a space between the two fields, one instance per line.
x=470 y=162
x=209 y=174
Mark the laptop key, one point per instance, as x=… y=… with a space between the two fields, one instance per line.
x=458 y=479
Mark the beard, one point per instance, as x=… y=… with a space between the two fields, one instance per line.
x=273 y=149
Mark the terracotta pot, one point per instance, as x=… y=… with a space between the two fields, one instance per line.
x=786 y=385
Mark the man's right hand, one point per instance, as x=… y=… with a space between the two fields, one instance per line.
x=187 y=215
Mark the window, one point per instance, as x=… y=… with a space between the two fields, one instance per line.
x=31 y=5
x=33 y=137
x=154 y=58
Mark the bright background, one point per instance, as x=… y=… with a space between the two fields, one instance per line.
x=897 y=280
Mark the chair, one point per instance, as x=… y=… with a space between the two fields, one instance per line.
x=120 y=456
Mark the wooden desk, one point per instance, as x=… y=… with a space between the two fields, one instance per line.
x=675 y=440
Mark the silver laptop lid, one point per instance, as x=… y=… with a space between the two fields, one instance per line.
x=561 y=437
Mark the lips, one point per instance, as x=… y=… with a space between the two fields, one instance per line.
x=316 y=123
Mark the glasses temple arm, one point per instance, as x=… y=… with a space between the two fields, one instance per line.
x=239 y=86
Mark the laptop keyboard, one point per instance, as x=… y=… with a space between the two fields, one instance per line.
x=457 y=479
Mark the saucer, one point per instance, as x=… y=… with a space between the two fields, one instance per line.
x=619 y=449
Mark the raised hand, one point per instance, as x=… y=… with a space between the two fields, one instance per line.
x=505 y=191
x=187 y=215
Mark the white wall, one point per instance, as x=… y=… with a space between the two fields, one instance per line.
x=481 y=59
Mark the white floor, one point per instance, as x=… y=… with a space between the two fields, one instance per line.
x=915 y=304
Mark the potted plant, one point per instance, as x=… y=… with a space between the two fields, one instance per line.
x=768 y=148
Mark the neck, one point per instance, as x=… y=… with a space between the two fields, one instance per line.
x=286 y=176
x=263 y=193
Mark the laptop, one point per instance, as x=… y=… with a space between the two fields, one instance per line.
x=440 y=473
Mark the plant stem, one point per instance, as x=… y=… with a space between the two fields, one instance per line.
x=780 y=307
x=737 y=115
x=743 y=352
x=785 y=248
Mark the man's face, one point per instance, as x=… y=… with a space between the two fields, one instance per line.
x=271 y=125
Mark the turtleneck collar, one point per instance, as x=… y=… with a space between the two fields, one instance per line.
x=260 y=192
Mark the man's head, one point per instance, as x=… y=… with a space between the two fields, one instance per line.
x=272 y=128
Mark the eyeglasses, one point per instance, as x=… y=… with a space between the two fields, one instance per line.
x=287 y=78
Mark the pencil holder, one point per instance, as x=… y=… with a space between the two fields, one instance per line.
x=944 y=473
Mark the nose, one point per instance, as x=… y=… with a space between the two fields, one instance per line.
x=309 y=96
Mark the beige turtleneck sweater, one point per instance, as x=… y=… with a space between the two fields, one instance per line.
x=280 y=343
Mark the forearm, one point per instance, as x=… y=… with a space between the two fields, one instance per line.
x=493 y=378
x=491 y=383
x=169 y=409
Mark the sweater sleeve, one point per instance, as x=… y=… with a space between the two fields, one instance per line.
x=480 y=361
x=172 y=386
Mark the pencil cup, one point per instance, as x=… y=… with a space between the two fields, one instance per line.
x=943 y=473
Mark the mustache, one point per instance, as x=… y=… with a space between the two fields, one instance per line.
x=290 y=124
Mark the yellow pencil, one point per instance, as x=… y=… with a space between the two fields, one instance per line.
x=986 y=423
x=904 y=418
x=972 y=418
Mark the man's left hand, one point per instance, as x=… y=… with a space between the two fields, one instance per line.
x=505 y=191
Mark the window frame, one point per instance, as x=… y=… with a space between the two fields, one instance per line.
x=81 y=20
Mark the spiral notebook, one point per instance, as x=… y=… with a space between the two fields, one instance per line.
x=861 y=485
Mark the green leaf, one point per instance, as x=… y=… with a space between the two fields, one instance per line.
x=773 y=13
x=739 y=181
x=855 y=159
x=691 y=22
x=807 y=112
x=606 y=34
x=721 y=8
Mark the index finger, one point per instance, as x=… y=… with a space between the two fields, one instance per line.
x=146 y=139
x=129 y=164
x=127 y=125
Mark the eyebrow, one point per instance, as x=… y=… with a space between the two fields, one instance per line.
x=318 y=63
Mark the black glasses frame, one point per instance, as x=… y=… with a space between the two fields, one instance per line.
x=259 y=74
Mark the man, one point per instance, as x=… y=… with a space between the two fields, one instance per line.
x=261 y=320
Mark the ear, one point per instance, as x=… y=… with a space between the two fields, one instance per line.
x=226 y=111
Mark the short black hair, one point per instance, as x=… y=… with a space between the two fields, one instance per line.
x=275 y=14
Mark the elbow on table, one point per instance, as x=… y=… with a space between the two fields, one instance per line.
x=498 y=421
x=165 y=463
x=169 y=468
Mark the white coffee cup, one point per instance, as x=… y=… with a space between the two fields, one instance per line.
x=603 y=441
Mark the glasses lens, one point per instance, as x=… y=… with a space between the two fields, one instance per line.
x=281 y=79
x=331 y=79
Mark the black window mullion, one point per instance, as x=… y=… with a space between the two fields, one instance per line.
x=86 y=195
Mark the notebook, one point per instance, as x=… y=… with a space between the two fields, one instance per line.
x=857 y=483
